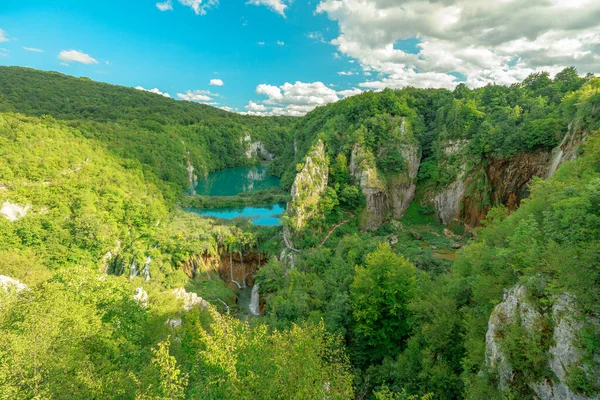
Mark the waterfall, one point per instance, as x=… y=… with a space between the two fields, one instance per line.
x=191 y=178
x=133 y=271
x=556 y=160
x=146 y=270
x=254 y=300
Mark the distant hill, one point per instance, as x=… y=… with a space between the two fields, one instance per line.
x=161 y=133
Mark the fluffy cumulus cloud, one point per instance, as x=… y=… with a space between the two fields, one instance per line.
x=155 y=90
x=76 y=56
x=294 y=99
x=199 y=96
x=3 y=36
x=278 y=6
x=479 y=41
x=216 y=82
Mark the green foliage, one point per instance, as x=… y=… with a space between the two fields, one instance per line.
x=234 y=361
x=159 y=133
x=380 y=294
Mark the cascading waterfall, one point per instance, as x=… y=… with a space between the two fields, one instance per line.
x=133 y=271
x=254 y=300
x=146 y=270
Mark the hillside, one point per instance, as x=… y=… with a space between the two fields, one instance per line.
x=164 y=135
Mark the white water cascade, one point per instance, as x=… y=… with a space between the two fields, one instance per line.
x=254 y=300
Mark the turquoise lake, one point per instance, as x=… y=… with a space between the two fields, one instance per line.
x=261 y=216
x=233 y=181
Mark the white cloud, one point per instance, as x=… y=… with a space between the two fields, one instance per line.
x=347 y=73
x=260 y=43
x=252 y=106
x=337 y=56
x=3 y=37
x=272 y=92
x=200 y=6
x=318 y=36
x=33 y=49
x=216 y=82
x=294 y=99
x=76 y=56
x=281 y=43
x=165 y=6
x=278 y=6
x=349 y=92
x=199 y=96
x=476 y=38
x=226 y=108
x=155 y=90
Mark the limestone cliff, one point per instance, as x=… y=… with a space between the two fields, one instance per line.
x=403 y=185
x=492 y=182
x=448 y=201
x=308 y=186
x=393 y=192
x=363 y=169
x=563 y=355
x=257 y=150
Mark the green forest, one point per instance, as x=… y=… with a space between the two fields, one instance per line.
x=109 y=289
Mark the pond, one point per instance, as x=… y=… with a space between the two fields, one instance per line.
x=233 y=181
x=261 y=216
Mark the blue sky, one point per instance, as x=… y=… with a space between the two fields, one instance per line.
x=284 y=57
x=136 y=44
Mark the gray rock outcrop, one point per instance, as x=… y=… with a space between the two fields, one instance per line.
x=308 y=186
x=256 y=149
x=563 y=354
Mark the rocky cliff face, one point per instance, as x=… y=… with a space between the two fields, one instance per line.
x=509 y=177
x=308 y=186
x=372 y=185
x=393 y=193
x=495 y=181
x=256 y=149
x=403 y=186
x=448 y=201
x=563 y=354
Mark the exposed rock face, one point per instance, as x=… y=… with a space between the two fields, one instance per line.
x=308 y=186
x=393 y=194
x=515 y=302
x=9 y=283
x=403 y=186
x=563 y=355
x=509 y=177
x=141 y=296
x=373 y=186
x=447 y=202
x=190 y=299
x=14 y=211
x=257 y=150
x=501 y=181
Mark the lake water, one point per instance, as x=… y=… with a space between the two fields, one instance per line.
x=261 y=216
x=233 y=181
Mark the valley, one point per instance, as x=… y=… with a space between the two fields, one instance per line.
x=399 y=244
